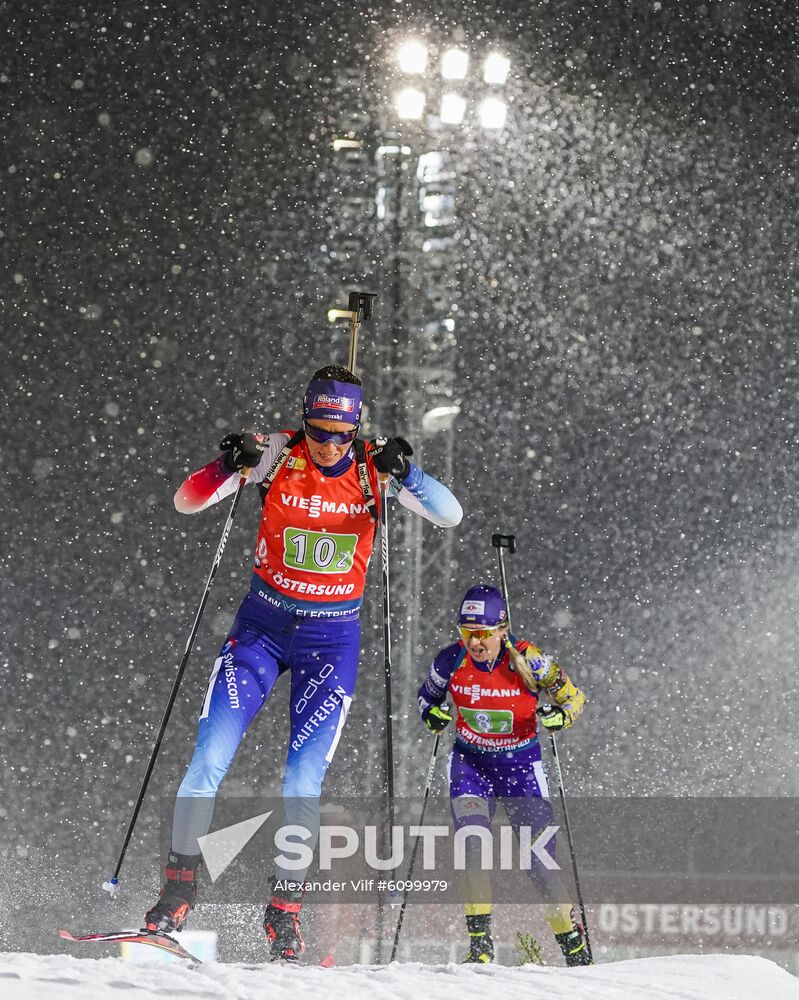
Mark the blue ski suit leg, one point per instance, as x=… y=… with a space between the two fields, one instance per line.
x=324 y=667
x=264 y=641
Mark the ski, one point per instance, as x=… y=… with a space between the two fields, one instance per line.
x=155 y=940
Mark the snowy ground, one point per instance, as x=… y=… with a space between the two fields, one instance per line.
x=683 y=977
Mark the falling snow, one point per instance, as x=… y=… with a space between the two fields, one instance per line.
x=622 y=292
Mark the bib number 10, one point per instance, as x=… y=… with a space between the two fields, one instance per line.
x=318 y=551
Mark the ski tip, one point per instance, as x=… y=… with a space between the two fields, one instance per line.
x=328 y=962
x=66 y=935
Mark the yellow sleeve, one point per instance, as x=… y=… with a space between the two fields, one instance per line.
x=553 y=679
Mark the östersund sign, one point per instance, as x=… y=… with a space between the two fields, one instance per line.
x=729 y=925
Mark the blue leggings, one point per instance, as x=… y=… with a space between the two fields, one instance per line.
x=322 y=657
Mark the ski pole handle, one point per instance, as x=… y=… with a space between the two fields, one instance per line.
x=359 y=307
x=500 y=543
x=362 y=304
x=504 y=542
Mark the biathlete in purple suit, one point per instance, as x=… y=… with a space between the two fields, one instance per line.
x=494 y=681
x=320 y=496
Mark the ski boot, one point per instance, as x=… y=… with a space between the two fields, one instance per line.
x=481 y=944
x=282 y=924
x=178 y=894
x=572 y=944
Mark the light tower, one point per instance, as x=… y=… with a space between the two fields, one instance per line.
x=439 y=102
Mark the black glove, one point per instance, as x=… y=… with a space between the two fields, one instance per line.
x=389 y=456
x=242 y=451
x=553 y=718
x=437 y=718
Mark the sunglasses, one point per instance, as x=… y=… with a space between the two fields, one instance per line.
x=336 y=437
x=479 y=633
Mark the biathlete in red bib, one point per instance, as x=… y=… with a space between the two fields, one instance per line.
x=494 y=681
x=320 y=496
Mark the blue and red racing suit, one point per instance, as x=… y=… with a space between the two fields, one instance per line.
x=496 y=754
x=301 y=616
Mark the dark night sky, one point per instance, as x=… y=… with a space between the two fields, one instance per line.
x=627 y=371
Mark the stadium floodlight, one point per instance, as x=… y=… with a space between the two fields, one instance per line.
x=453 y=108
x=412 y=56
x=454 y=64
x=440 y=418
x=496 y=68
x=410 y=103
x=334 y=315
x=493 y=113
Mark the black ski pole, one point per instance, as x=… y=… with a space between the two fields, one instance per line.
x=567 y=824
x=111 y=885
x=387 y=651
x=501 y=542
x=389 y=745
x=409 y=876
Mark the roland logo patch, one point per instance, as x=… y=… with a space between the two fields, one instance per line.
x=344 y=403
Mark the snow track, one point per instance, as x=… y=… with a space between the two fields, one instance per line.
x=686 y=977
